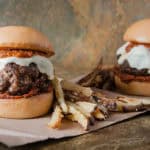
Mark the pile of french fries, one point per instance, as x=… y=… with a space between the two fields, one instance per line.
x=84 y=102
x=81 y=111
x=85 y=105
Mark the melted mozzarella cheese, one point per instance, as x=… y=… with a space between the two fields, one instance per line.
x=44 y=64
x=138 y=57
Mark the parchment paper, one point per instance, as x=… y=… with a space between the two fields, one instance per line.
x=19 y=132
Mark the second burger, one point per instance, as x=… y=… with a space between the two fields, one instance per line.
x=132 y=73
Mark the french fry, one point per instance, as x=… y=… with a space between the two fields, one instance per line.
x=56 y=118
x=101 y=77
x=101 y=106
x=104 y=110
x=104 y=104
x=77 y=115
x=73 y=96
x=71 y=117
x=118 y=103
x=98 y=114
x=84 y=111
x=145 y=102
x=126 y=104
x=70 y=86
x=60 y=94
x=87 y=106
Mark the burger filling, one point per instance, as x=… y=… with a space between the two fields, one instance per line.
x=133 y=62
x=24 y=77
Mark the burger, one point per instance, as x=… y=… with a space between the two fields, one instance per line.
x=25 y=73
x=132 y=72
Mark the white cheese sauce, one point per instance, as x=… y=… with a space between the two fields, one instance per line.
x=44 y=64
x=122 y=49
x=138 y=57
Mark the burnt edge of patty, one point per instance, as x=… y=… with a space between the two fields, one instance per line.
x=16 y=80
x=128 y=77
x=125 y=68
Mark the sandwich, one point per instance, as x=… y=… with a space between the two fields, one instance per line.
x=25 y=73
x=132 y=72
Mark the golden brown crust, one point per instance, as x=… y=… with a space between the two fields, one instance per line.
x=138 y=32
x=26 y=107
x=20 y=53
x=133 y=87
x=20 y=37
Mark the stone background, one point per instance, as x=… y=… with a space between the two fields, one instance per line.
x=80 y=30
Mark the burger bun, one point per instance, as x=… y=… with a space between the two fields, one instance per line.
x=30 y=107
x=133 y=87
x=138 y=32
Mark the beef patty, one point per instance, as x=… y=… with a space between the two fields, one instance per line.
x=125 y=68
x=16 y=80
x=128 y=77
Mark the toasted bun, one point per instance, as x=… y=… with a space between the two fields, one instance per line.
x=20 y=37
x=26 y=107
x=133 y=87
x=138 y=32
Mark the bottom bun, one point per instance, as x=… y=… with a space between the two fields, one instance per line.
x=133 y=87
x=26 y=107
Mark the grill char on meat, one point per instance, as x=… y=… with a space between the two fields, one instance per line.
x=18 y=80
x=125 y=68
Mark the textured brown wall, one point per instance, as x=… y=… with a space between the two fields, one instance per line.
x=80 y=30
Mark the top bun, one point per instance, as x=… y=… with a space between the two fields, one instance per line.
x=138 y=32
x=21 y=37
